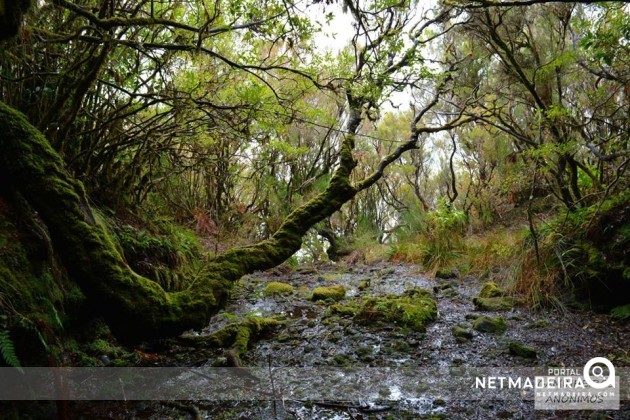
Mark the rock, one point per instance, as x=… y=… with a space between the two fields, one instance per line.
x=278 y=288
x=462 y=333
x=521 y=350
x=414 y=309
x=450 y=284
x=449 y=293
x=489 y=325
x=494 y=303
x=413 y=343
x=220 y=362
x=336 y=292
x=490 y=290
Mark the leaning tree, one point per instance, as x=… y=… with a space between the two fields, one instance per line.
x=384 y=56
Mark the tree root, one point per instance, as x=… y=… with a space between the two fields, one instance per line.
x=235 y=337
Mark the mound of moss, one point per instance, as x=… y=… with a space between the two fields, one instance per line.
x=414 y=309
x=490 y=290
x=489 y=325
x=521 y=350
x=278 y=288
x=336 y=292
x=494 y=303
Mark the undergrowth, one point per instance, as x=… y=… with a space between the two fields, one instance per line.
x=160 y=250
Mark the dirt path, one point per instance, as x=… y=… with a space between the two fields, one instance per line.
x=313 y=337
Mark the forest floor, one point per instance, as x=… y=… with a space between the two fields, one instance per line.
x=313 y=338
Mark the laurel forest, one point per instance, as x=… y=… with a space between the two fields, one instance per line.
x=156 y=152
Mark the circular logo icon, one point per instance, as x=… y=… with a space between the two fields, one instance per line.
x=591 y=370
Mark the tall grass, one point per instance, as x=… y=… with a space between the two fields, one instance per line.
x=434 y=239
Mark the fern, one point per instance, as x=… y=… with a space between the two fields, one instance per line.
x=8 y=351
x=621 y=312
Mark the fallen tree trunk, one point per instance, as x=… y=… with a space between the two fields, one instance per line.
x=135 y=307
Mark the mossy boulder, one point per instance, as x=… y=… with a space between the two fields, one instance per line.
x=414 y=309
x=521 y=350
x=490 y=290
x=336 y=292
x=462 y=333
x=494 y=303
x=489 y=325
x=278 y=288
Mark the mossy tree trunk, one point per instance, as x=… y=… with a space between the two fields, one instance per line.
x=136 y=307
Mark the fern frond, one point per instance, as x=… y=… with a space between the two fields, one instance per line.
x=7 y=350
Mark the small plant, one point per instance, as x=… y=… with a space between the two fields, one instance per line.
x=7 y=350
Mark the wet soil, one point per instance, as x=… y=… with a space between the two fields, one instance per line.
x=311 y=336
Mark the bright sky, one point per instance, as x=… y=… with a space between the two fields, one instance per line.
x=339 y=31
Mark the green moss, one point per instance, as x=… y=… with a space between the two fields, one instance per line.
x=278 y=288
x=342 y=360
x=489 y=325
x=494 y=303
x=521 y=350
x=239 y=334
x=621 y=312
x=490 y=290
x=336 y=292
x=462 y=333
x=343 y=310
x=414 y=309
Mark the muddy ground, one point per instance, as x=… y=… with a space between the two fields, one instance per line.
x=311 y=337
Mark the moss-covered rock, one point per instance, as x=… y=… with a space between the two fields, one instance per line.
x=490 y=290
x=343 y=310
x=462 y=333
x=278 y=288
x=494 y=303
x=521 y=350
x=335 y=292
x=489 y=325
x=414 y=309
x=445 y=285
